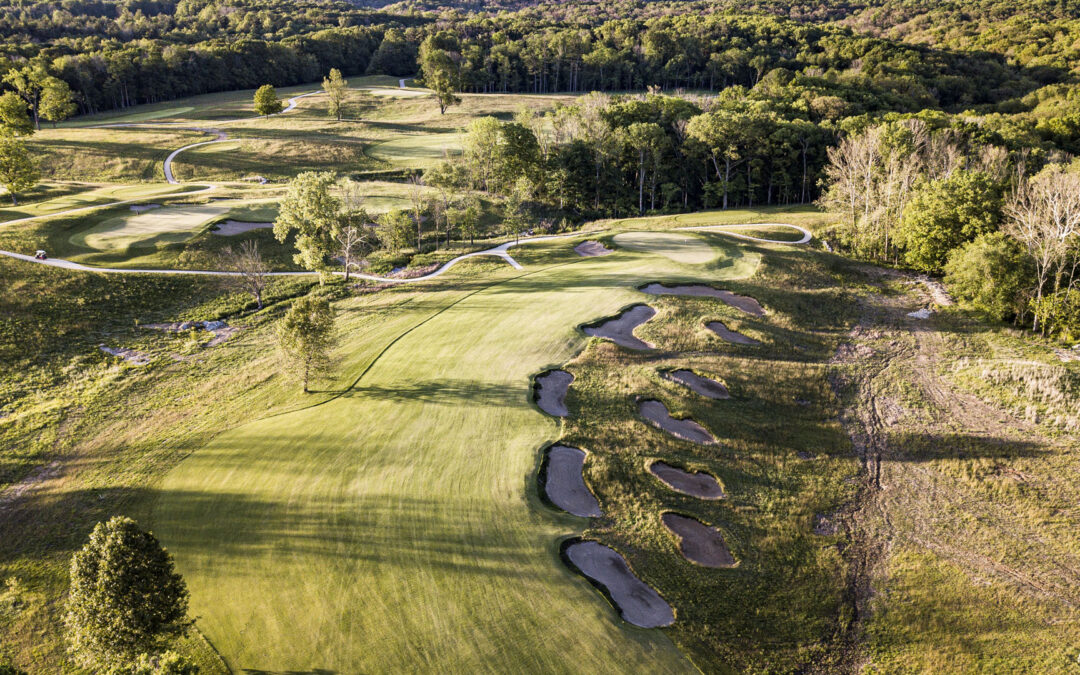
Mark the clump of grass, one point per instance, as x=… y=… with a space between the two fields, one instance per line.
x=1046 y=392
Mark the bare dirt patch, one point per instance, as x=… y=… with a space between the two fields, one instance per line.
x=698 y=384
x=564 y=483
x=731 y=336
x=620 y=329
x=696 y=484
x=637 y=602
x=591 y=249
x=688 y=430
x=551 y=388
x=130 y=355
x=698 y=542
x=740 y=302
x=233 y=227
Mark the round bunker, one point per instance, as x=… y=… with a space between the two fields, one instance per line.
x=698 y=542
x=591 y=249
x=564 y=483
x=688 y=430
x=726 y=333
x=740 y=302
x=696 y=484
x=637 y=602
x=698 y=384
x=620 y=329
x=551 y=388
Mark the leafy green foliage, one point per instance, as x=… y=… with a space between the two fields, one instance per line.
x=125 y=597
x=17 y=170
x=439 y=68
x=335 y=87
x=991 y=275
x=14 y=115
x=945 y=213
x=305 y=338
x=267 y=101
x=314 y=213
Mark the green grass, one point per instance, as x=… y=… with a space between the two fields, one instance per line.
x=684 y=248
x=107 y=155
x=56 y=197
x=418 y=151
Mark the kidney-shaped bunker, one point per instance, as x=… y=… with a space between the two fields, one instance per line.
x=564 y=484
x=696 y=484
x=688 y=430
x=698 y=383
x=741 y=302
x=698 y=542
x=638 y=603
x=620 y=329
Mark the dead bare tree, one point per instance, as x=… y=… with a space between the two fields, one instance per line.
x=353 y=241
x=249 y=270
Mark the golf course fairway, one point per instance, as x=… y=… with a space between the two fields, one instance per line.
x=397 y=527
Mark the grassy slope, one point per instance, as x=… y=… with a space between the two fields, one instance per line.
x=414 y=489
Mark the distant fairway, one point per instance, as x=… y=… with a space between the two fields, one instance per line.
x=418 y=150
x=91 y=197
x=397 y=526
x=684 y=248
x=396 y=93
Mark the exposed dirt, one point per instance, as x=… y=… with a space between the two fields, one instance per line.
x=620 y=329
x=233 y=227
x=591 y=249
x=551 y=389
x=696 y=484
x=741 y=302
x=698 y=384
x=932 y=463
x=731 y=336
x=688 y=430
x=638 y=603
x=130 y=355
x=564 y=483
x=698 y=542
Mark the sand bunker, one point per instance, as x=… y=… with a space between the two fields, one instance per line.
x=696 y=484
x=564 y=484
x=620 y=330
x=698 y=542
x=551 y=388
x=698 y=384
x=730 y=335
x=591 y=249
x=688 y=430
x=234 y=227
x=637 y=602
x=139 y=208
x=742 y=302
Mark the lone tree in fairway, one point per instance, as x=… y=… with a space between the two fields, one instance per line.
x=17 y=170
x=311 y=209
x=267 y=101
x=335 y=87
x=306 y=336
x=125 y=599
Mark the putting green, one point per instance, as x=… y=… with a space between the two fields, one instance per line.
x=684 y=248
x=165 y=225
x=397 y=527
x=417 y=150
x=91 y=197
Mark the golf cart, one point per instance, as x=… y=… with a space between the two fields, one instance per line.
x=40 y=255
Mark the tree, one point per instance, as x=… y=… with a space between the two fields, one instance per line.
x=394 y=229
x=251 y=271
x=945 y=213
x=314 y=213
x=481 y=151
x=992 y=275
x=419 y=205
x=305 y=337
x=57 y=101
x=14 y=116
x=725 y=134
x=125 y=597
x=1044 y=216
x=11 y=670
x=336 y=88
x=647 y=138
x=28 y=82
x=354 y=237
x=440 y=69
x=17 y=169
x=267 y=101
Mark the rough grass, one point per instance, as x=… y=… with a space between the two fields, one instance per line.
x=98 y=155
x=418 y=151
x=49 y=198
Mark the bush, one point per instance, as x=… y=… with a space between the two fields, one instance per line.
x=991 y=275
x=944 y=214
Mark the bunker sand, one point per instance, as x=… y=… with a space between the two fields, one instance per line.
x=637 y=602
x=620 y=329
x=698 y=384
x=698 y=542
x=688 y=430
x=696 y=484
x=551 y=389
x=564 y=483
x=740 y=302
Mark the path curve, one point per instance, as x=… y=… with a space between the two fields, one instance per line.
x=501 y=251
x=806 y=234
